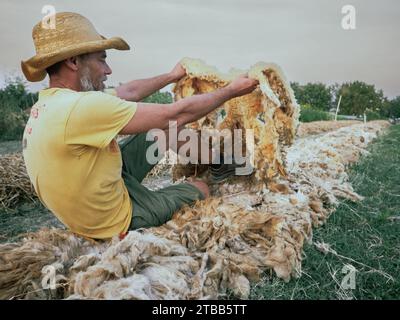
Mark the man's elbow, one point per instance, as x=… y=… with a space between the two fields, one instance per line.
x=177 y=114
x=126 y=93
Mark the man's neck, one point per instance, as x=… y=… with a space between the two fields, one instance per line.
x=60 y=83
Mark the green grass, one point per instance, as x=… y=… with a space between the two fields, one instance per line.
x=309 y=114
x=364 y=234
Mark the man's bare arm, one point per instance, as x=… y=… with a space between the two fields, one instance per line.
x=137 y=90
x=149 y=116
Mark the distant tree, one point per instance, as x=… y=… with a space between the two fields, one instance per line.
x=15 y=92
x=393 y=108
x=359 y=97
x=317 y=95
x=15 y=101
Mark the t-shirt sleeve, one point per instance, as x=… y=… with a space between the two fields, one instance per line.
x=97 y=118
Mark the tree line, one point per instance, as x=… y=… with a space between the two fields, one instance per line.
x=357 y=98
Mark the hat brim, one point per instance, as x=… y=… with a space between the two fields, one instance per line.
x=34 y=68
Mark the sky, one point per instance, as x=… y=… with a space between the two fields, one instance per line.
x=304 y=37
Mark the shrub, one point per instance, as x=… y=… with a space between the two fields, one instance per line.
x=372 y=115
x=159 y=97
x=15 y=100
x=309 y=114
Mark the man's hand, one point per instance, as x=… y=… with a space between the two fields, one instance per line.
x=177 y=72
x=242 y=85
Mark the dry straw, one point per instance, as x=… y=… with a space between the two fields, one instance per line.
x=15 y=184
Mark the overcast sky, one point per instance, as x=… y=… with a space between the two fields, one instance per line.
x=305 y=37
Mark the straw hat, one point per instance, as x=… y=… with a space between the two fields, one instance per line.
x=73 y=35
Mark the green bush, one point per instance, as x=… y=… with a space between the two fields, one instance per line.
x=12 y=123
x=392 y=108
x=159 y=97
x=15 y=101
x=372 y=115
x=309 y=114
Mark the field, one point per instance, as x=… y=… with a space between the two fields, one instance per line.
x=360 y=239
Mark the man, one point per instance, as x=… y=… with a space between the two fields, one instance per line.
x=92 y=184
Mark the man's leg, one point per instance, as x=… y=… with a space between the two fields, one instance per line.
x=133 y=152
x=153 y=208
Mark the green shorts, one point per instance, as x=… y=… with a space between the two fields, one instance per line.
x=150 y=208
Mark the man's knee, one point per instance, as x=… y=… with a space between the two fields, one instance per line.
x=202 y=186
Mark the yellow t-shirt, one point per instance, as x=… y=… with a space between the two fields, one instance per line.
x=74 y=161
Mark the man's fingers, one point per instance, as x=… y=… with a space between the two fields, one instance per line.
x=255 y=82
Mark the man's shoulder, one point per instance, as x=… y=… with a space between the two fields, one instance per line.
x=111 y=91
x=107 y=93
x=100 y=102
x=95 y=98
x=78 y=94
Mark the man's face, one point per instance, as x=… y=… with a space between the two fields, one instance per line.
x=93 y=71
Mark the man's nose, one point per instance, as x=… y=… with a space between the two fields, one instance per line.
x=108 y=70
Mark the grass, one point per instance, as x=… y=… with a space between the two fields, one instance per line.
x=365 y=235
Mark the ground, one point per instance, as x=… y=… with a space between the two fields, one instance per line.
x=363 y=235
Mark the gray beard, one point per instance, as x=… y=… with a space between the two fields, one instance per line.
x=86 y=82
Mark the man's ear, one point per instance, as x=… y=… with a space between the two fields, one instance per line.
x=72 y=63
